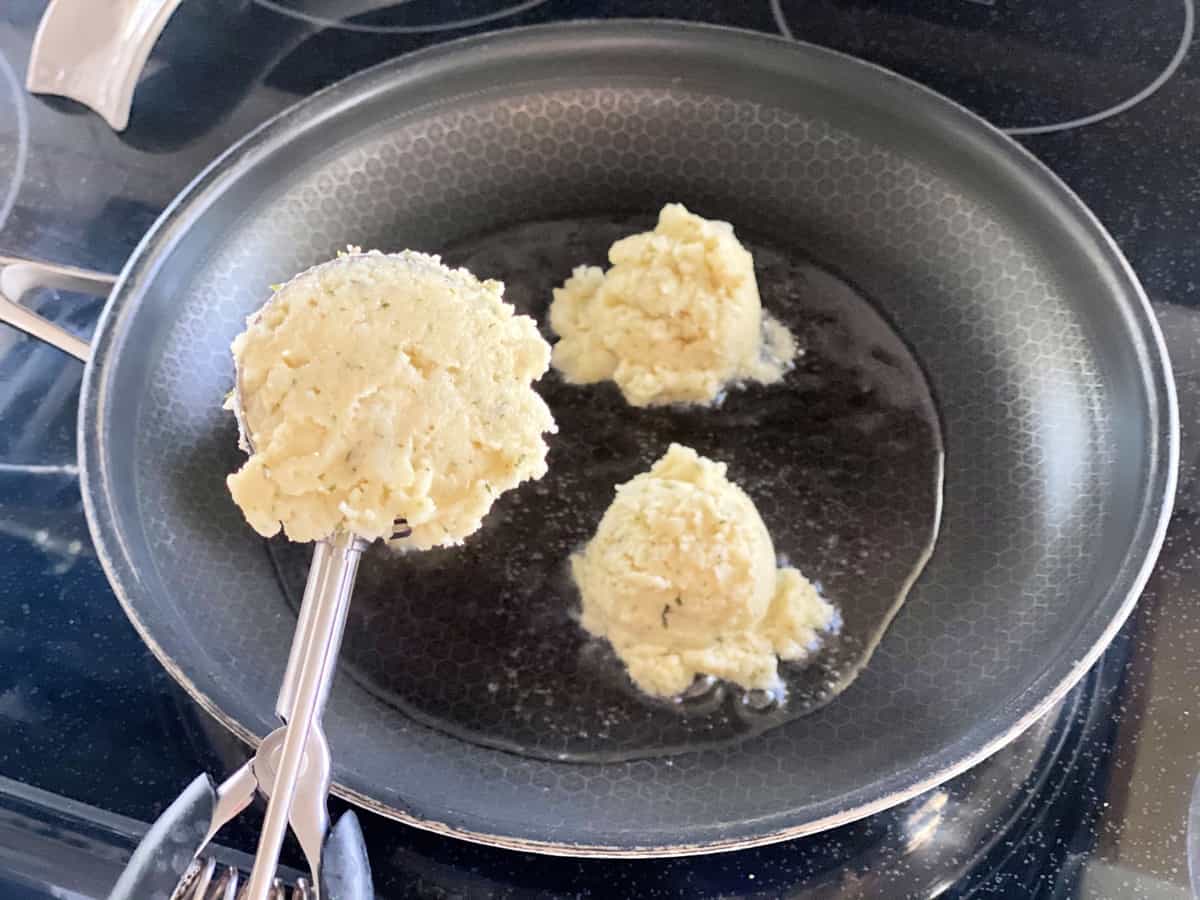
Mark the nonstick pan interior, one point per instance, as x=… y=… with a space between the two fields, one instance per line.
x=843 y=460
x=1052 y=392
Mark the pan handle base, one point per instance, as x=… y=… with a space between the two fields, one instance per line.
x=18 y=277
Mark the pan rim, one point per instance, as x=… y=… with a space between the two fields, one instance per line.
x=173 y=223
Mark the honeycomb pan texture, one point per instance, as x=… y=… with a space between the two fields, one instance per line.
x=1054 y=397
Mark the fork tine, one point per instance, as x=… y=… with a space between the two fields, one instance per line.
x=228 y=885
x=195 y=881
x=205 y=879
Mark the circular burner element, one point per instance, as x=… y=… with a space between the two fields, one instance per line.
x=14 y=138
x=1030 y=67
x=403 y=17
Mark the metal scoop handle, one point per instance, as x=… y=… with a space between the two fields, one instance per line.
x=310 y=671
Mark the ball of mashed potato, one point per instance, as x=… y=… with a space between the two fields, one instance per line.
x=675 y=320
x=681 y=579
x=376 y=387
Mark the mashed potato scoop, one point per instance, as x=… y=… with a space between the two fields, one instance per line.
x=379 y=396
x=383 y=386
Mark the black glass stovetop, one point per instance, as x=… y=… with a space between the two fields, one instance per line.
x=1098 y=800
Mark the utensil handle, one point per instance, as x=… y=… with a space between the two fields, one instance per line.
x=20 y=276
x=316 y=665
x=93 y=51
x=167 y=849
x=317 y=571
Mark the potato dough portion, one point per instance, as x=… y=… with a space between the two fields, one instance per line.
x=378 y=387
x=681 y=579
x=675 y=320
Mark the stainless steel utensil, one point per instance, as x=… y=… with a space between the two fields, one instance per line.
x=292 y=765
x=206 y=880
x=282 y=757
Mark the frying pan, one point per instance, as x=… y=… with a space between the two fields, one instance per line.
x=1055 y=410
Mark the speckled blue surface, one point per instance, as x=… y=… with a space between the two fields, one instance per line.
x=1093 y=803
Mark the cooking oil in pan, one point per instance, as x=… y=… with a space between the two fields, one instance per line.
x=843 y=459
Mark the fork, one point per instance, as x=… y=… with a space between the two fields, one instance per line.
x=291 y=768
x=206 y=880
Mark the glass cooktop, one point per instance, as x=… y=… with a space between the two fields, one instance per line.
x=1098 y=800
